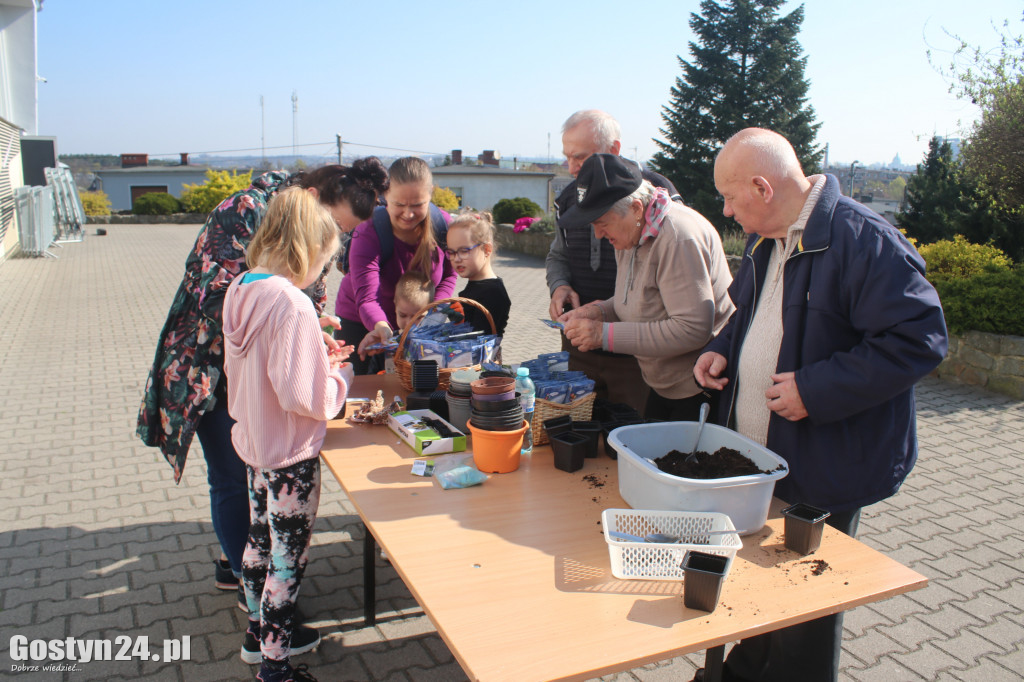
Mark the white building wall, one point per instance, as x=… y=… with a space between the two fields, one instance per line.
x=18 y=63
x=117 y=184
x=483 y=191
x=10 y=179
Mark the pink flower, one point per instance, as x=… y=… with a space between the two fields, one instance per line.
x=202 y=390
x=171 y=375
x=523 y=224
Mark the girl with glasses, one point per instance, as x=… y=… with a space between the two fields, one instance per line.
x=470 y=249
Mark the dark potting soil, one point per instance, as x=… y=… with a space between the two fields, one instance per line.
x=725 y=463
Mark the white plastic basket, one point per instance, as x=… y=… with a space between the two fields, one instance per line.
x=663 y=561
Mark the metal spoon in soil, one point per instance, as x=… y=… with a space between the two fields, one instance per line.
x=704 y=410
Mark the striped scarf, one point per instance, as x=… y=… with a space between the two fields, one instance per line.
x=655 y=214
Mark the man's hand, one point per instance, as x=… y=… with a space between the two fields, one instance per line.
x=584 y=312
x=562 y=295
x=708 y=370
x=583 y=333
x=784 y=397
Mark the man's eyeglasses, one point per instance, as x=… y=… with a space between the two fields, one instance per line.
x=461 y=253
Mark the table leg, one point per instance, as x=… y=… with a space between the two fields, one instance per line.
x=369 y=577
x=714 y=663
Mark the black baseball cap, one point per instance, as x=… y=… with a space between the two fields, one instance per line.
x=603 y=179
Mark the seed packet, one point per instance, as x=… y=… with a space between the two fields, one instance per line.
x=580 y=388
x=552 y=391
x=459 y=354
x=553 y=324
x=556 y=362
x=428 y=349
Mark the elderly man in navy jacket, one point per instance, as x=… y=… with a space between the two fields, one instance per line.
x=834 y=324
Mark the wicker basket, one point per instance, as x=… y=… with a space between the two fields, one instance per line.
x=580 y=410
x=403 y=368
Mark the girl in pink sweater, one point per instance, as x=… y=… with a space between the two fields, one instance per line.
x=282 y=388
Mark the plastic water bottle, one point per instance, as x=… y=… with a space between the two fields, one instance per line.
x=527 y=396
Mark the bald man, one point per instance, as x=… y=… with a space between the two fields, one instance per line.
x=834 y=325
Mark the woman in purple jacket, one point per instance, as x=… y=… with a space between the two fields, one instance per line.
x=366 y=298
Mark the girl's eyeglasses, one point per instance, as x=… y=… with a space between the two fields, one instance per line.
x=461 y=253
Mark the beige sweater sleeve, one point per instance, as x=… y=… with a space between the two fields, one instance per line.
x=671 y=299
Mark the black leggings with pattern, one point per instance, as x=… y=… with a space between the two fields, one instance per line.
x=282 y=509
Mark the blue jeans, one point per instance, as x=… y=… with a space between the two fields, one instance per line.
x=229 y=487
x=808 y=652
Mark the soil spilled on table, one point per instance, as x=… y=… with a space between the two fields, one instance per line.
x=725 y=463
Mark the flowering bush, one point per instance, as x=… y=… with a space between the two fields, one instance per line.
x=445 y=199
x=218 y=186
x=95 y=203
x=523 y=224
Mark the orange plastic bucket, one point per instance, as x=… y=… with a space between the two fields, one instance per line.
x=497 y=452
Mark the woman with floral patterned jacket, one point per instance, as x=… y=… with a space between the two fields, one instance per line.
x=185 y=393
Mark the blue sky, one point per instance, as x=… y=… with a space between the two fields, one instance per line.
x=163 y=78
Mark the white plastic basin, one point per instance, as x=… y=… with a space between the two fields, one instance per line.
x=644 y=486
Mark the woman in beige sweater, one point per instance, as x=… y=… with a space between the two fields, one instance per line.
x=671 y=293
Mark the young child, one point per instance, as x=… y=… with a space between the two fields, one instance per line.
x=413 y=292
x=470 y=248
x=282 y=388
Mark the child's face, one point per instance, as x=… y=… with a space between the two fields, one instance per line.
x=472 y=263
x=405 y=310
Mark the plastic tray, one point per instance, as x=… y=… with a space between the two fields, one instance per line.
x=644 y=486
x=663 y=561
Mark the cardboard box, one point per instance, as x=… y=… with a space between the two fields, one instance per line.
x=420 y=437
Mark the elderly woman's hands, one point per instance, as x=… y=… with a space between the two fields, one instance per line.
x=584 y=327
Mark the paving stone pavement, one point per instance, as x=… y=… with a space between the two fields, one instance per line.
x=97 y=542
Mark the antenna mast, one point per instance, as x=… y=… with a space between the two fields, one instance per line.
x=263 y=134
x=295 y=123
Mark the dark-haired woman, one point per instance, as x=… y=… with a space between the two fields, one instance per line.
x=186 y=393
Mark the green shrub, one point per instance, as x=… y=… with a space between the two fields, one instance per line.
x=219 y=186
x=986 y=302
x=961 y=259
x=511 y=210
x=445 y=199
x=156 y=203
x=546 y=224
x=734 y=242
x=95 y=203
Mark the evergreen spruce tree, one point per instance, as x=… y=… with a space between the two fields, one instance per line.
x=746 y=70
x=942 y=201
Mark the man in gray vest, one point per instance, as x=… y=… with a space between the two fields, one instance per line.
x=581 y=267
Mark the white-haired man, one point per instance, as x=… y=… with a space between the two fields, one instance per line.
x=834 y=325
x=581 y=267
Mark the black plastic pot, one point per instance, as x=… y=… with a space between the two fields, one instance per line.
x=606 y=428
x=424 y=375
x=804 y=524
x=557 y=425
x=703 y=575
x=569 y=449
x=592 y=430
